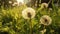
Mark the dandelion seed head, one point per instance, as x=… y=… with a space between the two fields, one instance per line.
x=28 y=13
x=44 y=5
x=45 y=20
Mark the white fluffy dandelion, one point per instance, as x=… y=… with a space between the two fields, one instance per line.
x=44 y=5
x=46 y=20
x=28 y=13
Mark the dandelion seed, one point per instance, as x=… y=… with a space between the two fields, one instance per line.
x=28 y=13
x=45 y=20
x=44 y=5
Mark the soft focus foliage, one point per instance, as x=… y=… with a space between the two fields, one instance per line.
x=12 y=22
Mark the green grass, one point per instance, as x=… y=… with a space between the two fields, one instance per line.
x=11 y=21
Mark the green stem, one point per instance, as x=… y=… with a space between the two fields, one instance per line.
x=30 y=27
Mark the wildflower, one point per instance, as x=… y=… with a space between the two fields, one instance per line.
x=45 y=20
x=44 y=5
x=28 y=13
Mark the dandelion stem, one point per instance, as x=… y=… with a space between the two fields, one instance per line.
x=44 y=26
x=30 y=27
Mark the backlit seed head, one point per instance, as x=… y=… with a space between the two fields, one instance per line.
x=46 y=20
x=28 y=13
x=44 y=5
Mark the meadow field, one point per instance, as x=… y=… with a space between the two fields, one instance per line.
x=43 y=21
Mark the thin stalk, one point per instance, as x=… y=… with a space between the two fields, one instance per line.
x=30 y=27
